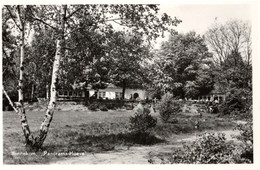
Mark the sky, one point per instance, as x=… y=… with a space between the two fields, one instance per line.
x=199 y=17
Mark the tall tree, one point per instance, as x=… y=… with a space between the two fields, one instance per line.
x=10 y=54
x=231 y=45
x=85 y=63
x=19 y=16
x=127 y=52
x=232 y=36
x=39 y=60
x=183 y=63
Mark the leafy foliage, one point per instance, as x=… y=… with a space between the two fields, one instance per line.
x=233 y=73
x=208 y=149
x=103 y=108
x=127 y=53
x=238 y=103
x=168 y=107
x=93 y=106
x=183 y=63
x=232 y=69
x=212 y=148
x=39 y=60
x=246 y=137
x=9 y=55
x=141 y=123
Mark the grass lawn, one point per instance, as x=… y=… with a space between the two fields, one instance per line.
x=73 y=133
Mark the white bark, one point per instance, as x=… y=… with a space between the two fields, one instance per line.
x=53 y=96
x=20 y=83
x=47 y=92
x=21 y=111
x=53 y=91
x=32 y=93
x=10 y=101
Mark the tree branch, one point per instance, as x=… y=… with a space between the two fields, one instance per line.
x=10 y=101
x=114 y=19
x=70 y=15
x=41 y=21
x=118 y=23
x=13 y=18
x=37 y=19
x=19 y=17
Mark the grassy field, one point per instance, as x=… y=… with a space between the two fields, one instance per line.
x=73 y=133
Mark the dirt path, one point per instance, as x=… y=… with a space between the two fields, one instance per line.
x=136 y=154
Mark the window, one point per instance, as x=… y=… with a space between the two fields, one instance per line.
x=119 y=95
x=70 y=93
x=60 y=93
x=101 y=94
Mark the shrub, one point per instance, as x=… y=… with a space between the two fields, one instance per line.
x=93 y=106
x=246 y=137
x=238 y=103
x=168 y=107
x=210 y=148
x=103 y=108
x=111 y=105
x=140 y=123
x=213 y=148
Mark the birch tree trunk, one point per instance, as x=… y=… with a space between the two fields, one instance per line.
x=123 y=91
x=53 y=93
x=20 y=106
x=32 y=93
x=53 y=90
x=36 y=143
x=47 y=92
x=10 y=101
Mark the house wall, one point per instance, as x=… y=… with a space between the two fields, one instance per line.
x=110 y=93
x=213 y=97
x=130 y=92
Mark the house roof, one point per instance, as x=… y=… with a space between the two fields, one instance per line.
x=112 y=86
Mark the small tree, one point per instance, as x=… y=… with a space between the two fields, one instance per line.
x=168 y=107
x=141 y=123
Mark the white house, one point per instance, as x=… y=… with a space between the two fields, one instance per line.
x=114 y=92
x=111 y=92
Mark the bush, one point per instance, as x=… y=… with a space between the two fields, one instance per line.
x=213 y=148
x=103 y=108
x=238 y=104
x=168 y=107
x=111 y=105
x=140 y=123
x=210 y=148
x=246 y=137
x=93 y=106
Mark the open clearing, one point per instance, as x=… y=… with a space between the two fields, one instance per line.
x=103 y=137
